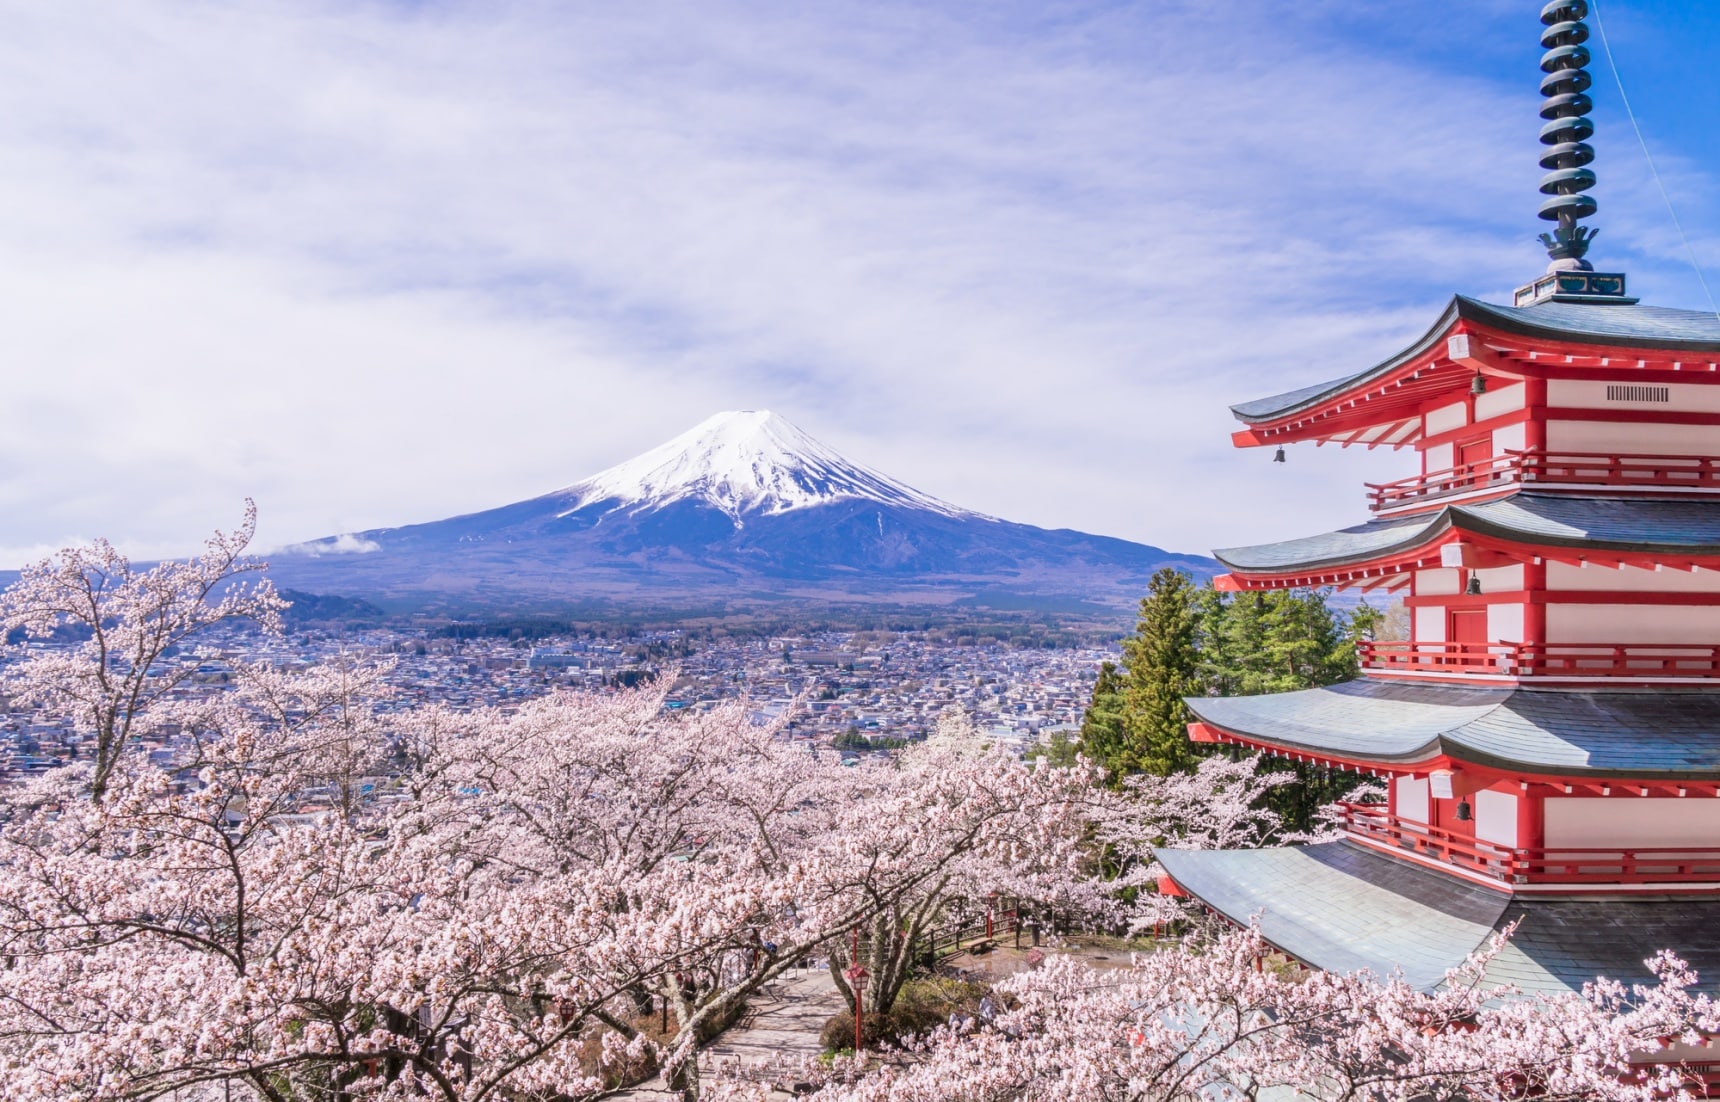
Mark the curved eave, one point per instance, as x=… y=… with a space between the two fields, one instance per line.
x=1264 y=411
x=1342 y=908
x=1644 y=328
x=1622 y=529
x=1278 y=559
x=1666 y=737
x=1359 y=757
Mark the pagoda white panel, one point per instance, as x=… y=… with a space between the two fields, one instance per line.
x=1430 y=624
x=1501 y=579
x=1627 y=822
x=1510 y=438
x=1505 y=622
x=1632 y=579
x=1496 y=818
x=1446 y=418
x=1411 y=793
x=1631 y=438
x=1499 y=401
x=1582 y=394
x=1442 y=582
x=1697 y=625
x=1440 y=457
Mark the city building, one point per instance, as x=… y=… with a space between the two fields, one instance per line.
x=1549 y=733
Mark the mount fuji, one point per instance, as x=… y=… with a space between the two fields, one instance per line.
x=742 y=510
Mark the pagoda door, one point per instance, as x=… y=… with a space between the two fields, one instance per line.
x=1472 y=460
x=1467 y=634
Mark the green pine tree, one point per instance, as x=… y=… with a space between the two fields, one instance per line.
x=1191 y=641
x=1140 y=723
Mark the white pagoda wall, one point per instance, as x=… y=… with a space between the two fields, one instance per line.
x=1578 y=436
x=1630 y=579
x=1498 y=401
x=1626 y=438
x=1505 y=623
x=1495 y=404
x=1592 y=394
x=1627 y=822
x=1496 y=817
x=1669 y=624
x=1409 y=798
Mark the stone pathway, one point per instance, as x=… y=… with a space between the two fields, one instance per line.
x=782 y=1021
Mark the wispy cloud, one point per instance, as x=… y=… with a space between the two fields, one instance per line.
x=381 y=263
x=346 y=543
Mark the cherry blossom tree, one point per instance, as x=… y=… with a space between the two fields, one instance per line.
x=1212 y=1024
x=132 y=621
x=1050 y=864
x=234 y=928
x=752 y=852
x=521 y=886
x=315 y=901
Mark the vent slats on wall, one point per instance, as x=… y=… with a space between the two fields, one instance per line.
x=1639 y=394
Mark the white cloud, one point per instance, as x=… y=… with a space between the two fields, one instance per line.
x=374 y=264
x=346 y=543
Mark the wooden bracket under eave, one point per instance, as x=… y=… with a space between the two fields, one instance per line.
x=1466 y=350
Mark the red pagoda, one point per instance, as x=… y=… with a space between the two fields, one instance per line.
x=1549 y=733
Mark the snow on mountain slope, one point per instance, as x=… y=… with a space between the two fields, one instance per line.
x=745 y=463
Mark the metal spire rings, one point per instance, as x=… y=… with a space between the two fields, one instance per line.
x=1566 y=133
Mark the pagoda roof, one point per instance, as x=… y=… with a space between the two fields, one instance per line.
x=1342 y=907
x=1633 y=526
x=1661 y=734
x=1603 y=324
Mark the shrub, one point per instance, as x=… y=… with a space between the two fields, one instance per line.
x=921 y=1006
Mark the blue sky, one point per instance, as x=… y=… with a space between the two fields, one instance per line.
x=379 y=263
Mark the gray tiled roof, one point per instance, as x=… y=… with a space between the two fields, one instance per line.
x=1342 y=907
x=1660 y=734
x=1563 y=520
x=1655 y=327
x=1695 y=330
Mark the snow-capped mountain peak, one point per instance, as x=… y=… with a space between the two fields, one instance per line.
x=745 y=462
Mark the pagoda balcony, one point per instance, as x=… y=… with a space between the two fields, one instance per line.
x=1550 y=470
x=1373 y=825
x=1562 y=661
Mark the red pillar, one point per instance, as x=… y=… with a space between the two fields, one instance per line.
x=1535 y=428
x=1531 y=821
x=1535 y=602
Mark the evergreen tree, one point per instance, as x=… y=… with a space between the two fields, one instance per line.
x=1141 y=722
x=1102 y=725
x=1193 y=641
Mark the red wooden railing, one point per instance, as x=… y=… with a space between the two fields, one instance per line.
x=1543 y=468
x=1655 y=660
x=1577 y=867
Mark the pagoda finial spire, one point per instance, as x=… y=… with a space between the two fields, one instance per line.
x=1566 y=133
